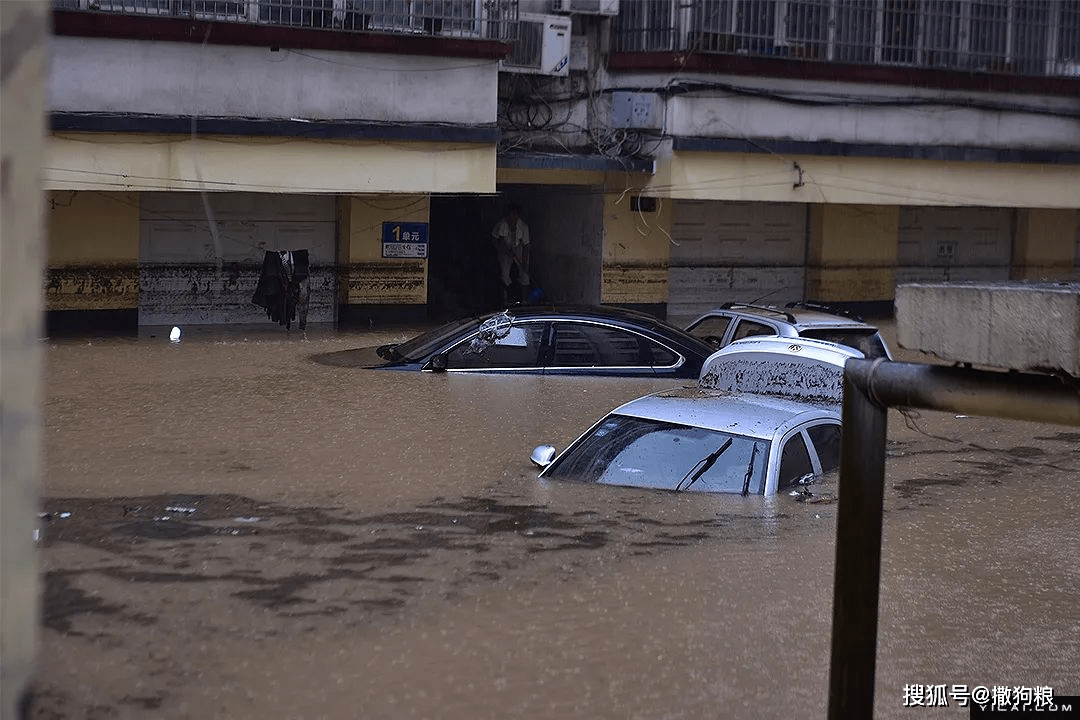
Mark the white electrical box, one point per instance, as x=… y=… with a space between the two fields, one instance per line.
x=541 y=45
x=587 y=7
x=636 y=110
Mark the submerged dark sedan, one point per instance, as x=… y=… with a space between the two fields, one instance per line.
x=570 y=340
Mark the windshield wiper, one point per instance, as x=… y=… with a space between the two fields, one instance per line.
x=702 y=467
x=749 y=471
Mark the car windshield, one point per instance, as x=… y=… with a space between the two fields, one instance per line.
x=426 y=343
x=867 y=341
x=623 y=450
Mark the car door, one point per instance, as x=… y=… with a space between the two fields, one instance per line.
x=517 y=348
x=712 y=328
x=580 y=347
x=824 y=440
x=813 y=449
x=746 y=327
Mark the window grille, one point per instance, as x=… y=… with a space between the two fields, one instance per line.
x=454 y=18
x=1030 y=37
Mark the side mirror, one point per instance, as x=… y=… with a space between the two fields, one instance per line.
x=437 y=363
x=542 y=455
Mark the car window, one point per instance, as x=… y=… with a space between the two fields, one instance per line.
x=749 y=328
x=660 y=355
x=794 y=462
x=868 y=341
x=588 y=345
x=624 y=450
x=826 y=441
x=519 y=347
x=713 y=326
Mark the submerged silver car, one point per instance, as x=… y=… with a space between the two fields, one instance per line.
x=717 y=436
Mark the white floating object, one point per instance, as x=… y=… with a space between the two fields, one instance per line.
x=174 y=336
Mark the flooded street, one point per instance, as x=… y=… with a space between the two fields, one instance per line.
x=233 y=530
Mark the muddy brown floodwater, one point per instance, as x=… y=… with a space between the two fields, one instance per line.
x=232 y=530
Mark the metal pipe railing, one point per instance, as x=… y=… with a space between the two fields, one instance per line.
x=870 y=388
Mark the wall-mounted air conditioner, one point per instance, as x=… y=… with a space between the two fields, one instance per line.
x=541 y=45
x=587 y=7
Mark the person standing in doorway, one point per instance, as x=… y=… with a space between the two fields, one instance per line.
x=511 y=238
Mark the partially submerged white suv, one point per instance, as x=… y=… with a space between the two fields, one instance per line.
x=735 y=321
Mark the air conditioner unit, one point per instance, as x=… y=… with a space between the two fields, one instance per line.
x=541 y=45
x=587 y=7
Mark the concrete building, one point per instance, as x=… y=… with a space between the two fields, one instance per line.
x=667 y=154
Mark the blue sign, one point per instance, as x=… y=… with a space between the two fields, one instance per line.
x=404 y=240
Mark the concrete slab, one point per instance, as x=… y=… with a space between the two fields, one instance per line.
x=1030 y=327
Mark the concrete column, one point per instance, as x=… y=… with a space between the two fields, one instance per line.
x=1045 y=244
x=24 y=27
x=92 y=279
x=373 y=288
x=636 y=250
x=851 y=254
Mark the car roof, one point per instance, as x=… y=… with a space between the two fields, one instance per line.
x=611 y=313
x=747 y=414
x=798 y=317
x=805 y=369
x=606 y=312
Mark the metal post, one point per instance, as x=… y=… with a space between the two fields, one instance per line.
x=870 y=387
x=858 y=553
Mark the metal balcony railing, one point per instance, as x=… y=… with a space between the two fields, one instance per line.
x=480 y=19
x=1024 y=37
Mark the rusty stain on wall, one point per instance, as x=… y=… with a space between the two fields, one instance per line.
x=634 y=283
x=386 y=282
x=200 y=293
x=92 y=287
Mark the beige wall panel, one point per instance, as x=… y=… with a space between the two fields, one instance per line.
x=868 y=181
x=93 y=241
x=93 y=161
x=635 y=252
x=92 y=227
x=852 y=253
x=1045 y=246
x=936 y=244
x=734 y=252
x=368 y=277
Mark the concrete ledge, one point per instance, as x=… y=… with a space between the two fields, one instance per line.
x=1014 y=326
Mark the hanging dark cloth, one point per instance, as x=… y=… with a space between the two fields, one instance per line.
x=282 y=286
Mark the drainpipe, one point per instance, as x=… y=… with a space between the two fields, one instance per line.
x=870 y=388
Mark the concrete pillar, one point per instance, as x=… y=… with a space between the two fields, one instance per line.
x=373 y=288
x=1045 y=244
x=92 y=280
x=24 y=27
x=636 y=250
x=851 y=255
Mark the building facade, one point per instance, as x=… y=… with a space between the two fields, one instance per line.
x=667 y=154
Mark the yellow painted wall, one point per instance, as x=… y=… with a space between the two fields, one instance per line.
x=865 y=181
x=852 y=252
x=103 y=161
x=636 y=249
x=367 y=277
x=1045 y=244
x=93 y=250
x=92 y=227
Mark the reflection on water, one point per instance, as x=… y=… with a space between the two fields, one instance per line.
x=233 y=530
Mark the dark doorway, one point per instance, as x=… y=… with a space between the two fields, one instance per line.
x=462 y=274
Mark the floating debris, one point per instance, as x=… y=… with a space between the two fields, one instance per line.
x=174 y=334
